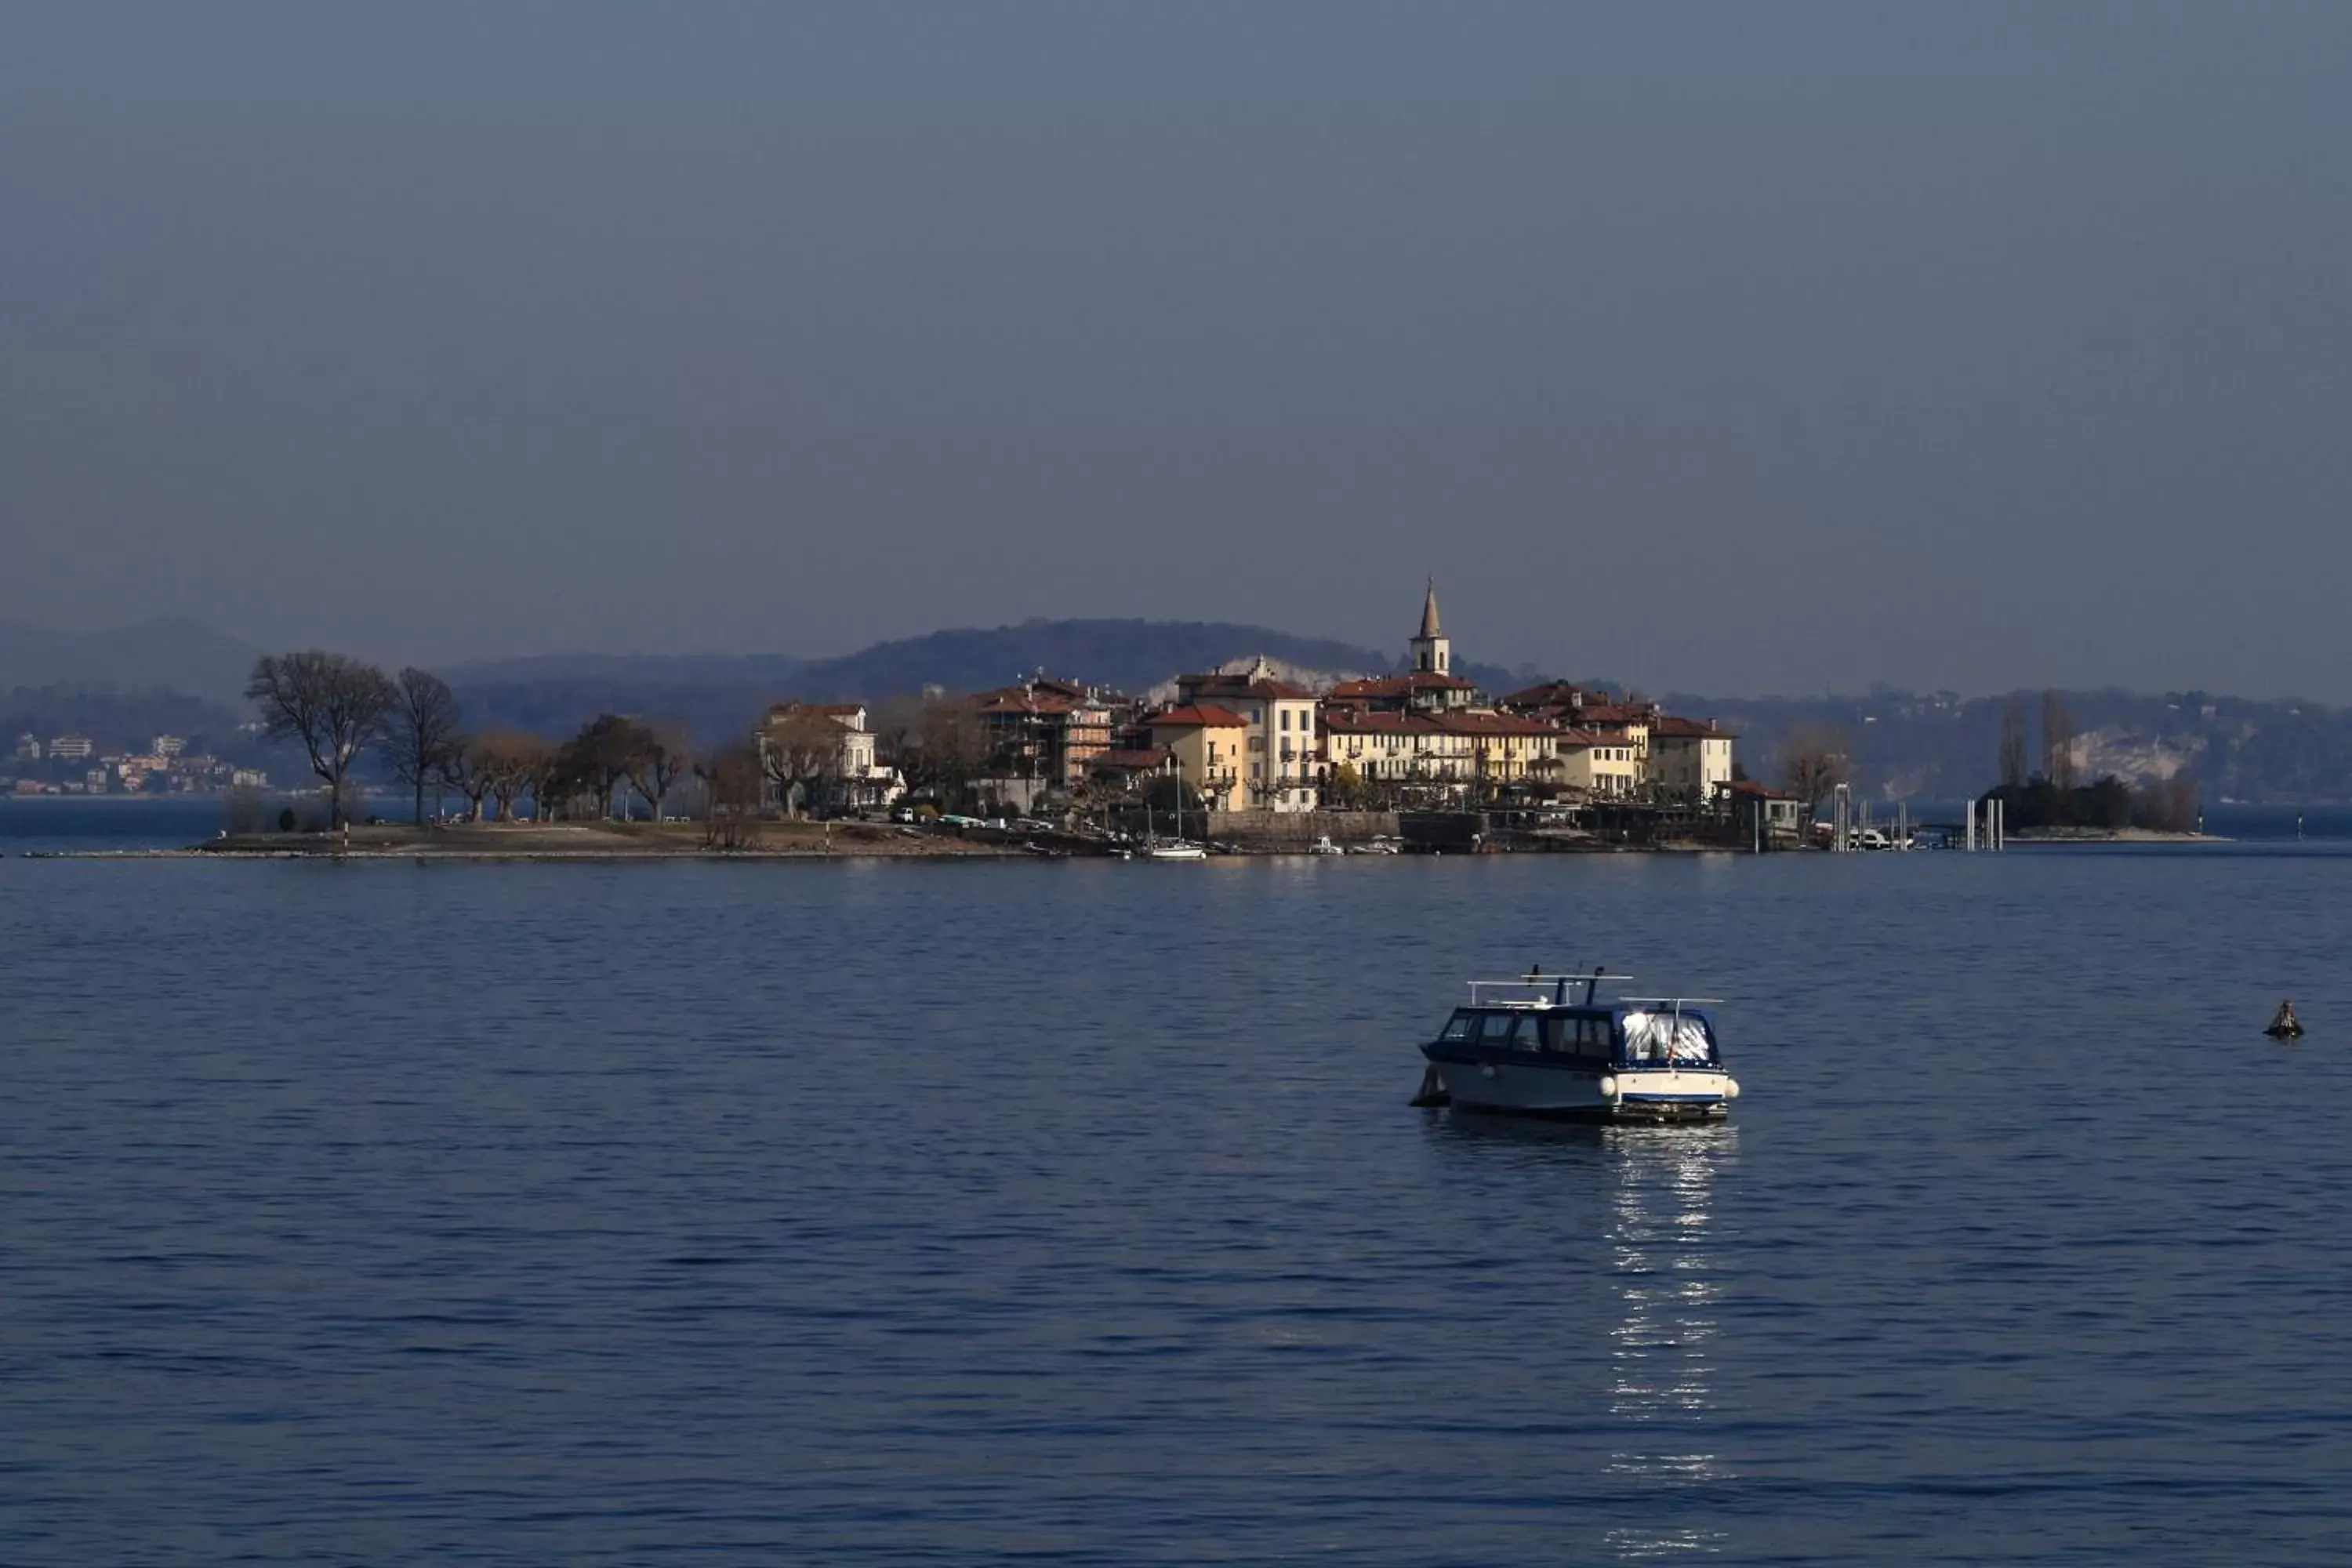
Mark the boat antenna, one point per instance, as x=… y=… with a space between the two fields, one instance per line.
x=1593 y=984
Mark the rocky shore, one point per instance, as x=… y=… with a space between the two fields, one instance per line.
x=606 y=841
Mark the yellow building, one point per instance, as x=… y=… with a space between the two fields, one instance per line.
x=1451 y=750
x=1278 y=767
x=1207 y=743
x=1603 y=766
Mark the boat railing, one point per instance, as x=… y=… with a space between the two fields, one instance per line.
x=1534 y=980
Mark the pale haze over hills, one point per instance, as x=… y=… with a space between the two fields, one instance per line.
x=1786 y=348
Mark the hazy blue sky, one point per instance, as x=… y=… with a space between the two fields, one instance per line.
x=1728 y=347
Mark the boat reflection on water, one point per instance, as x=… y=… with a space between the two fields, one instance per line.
x=1662 y=1350
x=1658 y=1240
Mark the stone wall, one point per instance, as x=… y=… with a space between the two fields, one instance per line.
x=1300 y=828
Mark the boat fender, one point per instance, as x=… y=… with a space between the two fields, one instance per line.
x=1487 y=1070
x=1608 y=1088
x=1731 y=1088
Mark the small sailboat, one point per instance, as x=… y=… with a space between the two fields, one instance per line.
x=1175 y=849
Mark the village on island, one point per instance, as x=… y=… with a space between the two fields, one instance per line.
x=1421 y=758
x=1253 y=757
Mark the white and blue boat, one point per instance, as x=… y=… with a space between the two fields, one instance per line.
x=1536 y=1047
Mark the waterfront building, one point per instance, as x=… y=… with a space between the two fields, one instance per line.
x=1204 y=743
x=1598 y=766
x=1043 y=734
x=1279 y=766
x=1123 y=769
x=1444 y=756
x=28 y=748
x=72 y=748
x=248 y=778
x=1764 y=812
x=1691 y=759
x=167 y=745
x=852 y=778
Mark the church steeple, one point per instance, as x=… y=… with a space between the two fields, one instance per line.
x=1433 y=650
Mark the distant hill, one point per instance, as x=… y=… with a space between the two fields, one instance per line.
x=173 y=653
x=721 y=695
x=1130 y=656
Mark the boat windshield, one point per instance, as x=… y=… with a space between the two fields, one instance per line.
x=1668 y=1040
x=1463 y=1025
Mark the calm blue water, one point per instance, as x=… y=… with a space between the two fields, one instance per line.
x=124 y=823
x=939 y=1214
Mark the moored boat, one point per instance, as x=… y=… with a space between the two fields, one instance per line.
x=1535 y=1047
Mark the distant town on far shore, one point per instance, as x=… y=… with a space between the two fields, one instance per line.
x=1434 y=728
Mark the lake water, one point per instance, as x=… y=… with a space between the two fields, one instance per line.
x=974 y=1214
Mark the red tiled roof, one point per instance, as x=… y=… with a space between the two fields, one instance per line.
x=1197 y=716
x=1550 y=694
x=1369 y=720
x=1760 y=791
x=1493 y=724
x=1615 y=713
x=1400 y=685
x=1018 y=700
x=1688 y=730
x=1381 y=722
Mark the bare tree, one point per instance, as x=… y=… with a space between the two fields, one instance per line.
x=661 y=754
x=893 y=721
x=2057 y=742
x=598 y=758
x=333 y=704
x=2013 y=744
x=512 y=766
x=732 y=784
x=947 y=751
x=799 y=749
x=420 y=729
x=1814 y=760
x=462 y=768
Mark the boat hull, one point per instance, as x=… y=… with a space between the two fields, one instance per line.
x=1533 y=1088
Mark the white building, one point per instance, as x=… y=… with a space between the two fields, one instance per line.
x=1691 y=758
x=71 y=748
x=1275 y=767
x=852 y=778
x=28 y=748
x=168 y=746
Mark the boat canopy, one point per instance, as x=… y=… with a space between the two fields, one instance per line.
x=1675 y=1038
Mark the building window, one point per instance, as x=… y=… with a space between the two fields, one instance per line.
x=1285 y=719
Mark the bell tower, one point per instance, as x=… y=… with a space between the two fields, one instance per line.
x=1433 y=650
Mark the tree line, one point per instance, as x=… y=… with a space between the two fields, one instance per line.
x=343 y=712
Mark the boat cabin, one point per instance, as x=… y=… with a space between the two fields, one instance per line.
x=1633 y=1032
